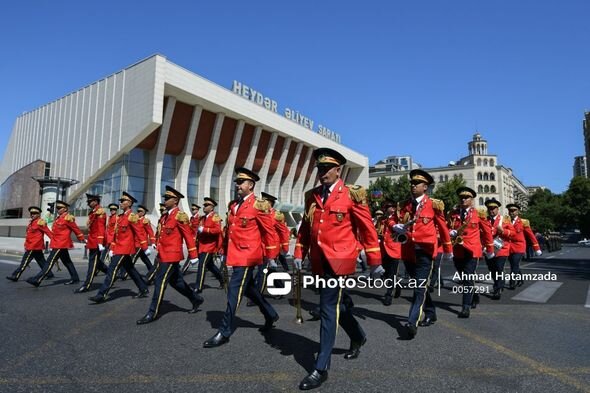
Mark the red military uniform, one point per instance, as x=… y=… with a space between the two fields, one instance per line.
x=110 y=230
x=282 y=231
x=508 y=231
x=208 y=239
x=194 y=223
x=127 y=230
x=522 y=233
x=331 y=231
x=388 y=245
x=36 y=230
x=174 y=227
x=96 y=228
x=62 y=228
x=251 y=234
x=430 y=225
x=148 y=231
x=475 y=231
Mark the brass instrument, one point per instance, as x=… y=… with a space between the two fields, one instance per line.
x=402 y=237
x=297 y=283
x=459 y=237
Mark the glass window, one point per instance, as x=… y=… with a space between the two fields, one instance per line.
x=481 y=200
x=485 y=176
x=193 y=182
x=214 y=193
x=493 y=189
x=480 y=188
x=486 y=189
x=479 y=176
x=492 y=176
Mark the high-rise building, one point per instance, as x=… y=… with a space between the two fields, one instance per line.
x=480 y=170
x=580 y=166
x=586 y=128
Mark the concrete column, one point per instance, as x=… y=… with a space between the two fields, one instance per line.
x=209 y=160
x=154 y=193
x=312 y=181
x=298 y=190
x=183 y=161
x=263 y=173
x=275 y=182
x=253 y=148
x=227 y=173
x=287 y=187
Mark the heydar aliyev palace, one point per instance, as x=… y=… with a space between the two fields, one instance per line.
x=154 y=124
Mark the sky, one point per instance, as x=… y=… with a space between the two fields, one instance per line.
x=391 y=77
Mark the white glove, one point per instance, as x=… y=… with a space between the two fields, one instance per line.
x=377 y=270
x=538 y=253
x=490 y=255
x=100 y=248
x=194 y=261
x=148 y=252
x=447 y=256
x=200 y=229
x=399 y=228
x=297 y=262
x=453 y=233
x=154 y=247
x=223 y=259
x=272 y=263
x=111 y=253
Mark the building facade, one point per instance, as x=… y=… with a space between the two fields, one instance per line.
x=586 y=130
x=481 y=172
x=580 y=166
x=155 y=124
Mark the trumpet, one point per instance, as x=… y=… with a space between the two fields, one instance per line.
x=403 y=237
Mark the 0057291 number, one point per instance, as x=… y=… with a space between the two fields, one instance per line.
x=470 y=289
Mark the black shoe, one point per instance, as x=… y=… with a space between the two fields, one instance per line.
x=143 y=293
x=355 y=349
x=412 y=330
x=97 y=299
x=313 y=380
x=512 y=285
x=50 y=276
x=269 y=324
x=72 y=282
x=397 y=293
x=427 y=321
x=315 y=314
x=217 y=340
x=147 y=318
x=221 y=286
x=496 y=295
x=82 y=289
x=12 y=278
x=520 y=283
x=475 y=301
x=196 y=303
x=464 y=313
x=387 y=300
x=33 y=282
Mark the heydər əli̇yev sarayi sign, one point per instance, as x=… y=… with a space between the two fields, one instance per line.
x=258 y=98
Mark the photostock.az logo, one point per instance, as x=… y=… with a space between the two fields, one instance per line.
x=285 y=278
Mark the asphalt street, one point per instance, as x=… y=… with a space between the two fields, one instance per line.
x=535 y=339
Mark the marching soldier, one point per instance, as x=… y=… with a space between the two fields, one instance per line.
x=471 y=233
x=502 y=231
x=151 y=275
x=96 y=239
x=194 y=224
x=61 y=241
x=34 y=244
x=250 y=231
x=174 y=228
x=518 y=242
x=127 y=230
x=337 y=221
x=208 y=230
x=110 y=230
x=391 y=251
x=420 y=219
x=149 y=235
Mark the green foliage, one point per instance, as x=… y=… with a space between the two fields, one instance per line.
x=397 y=191
x=551 y=212
x=447 y=191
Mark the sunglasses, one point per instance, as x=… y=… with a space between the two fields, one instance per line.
x=207 y=204
x=240 y=181
x=168 y=197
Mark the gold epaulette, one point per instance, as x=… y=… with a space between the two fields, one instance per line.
x=438 y=205
x=216 y=217
x=262 y=205
x=133 y=218
x=182 y=218
x=146 y=220
x=506 y=220
x=279 y=216
x=69 y=218
x=482 y=213
x=99 y=211
x=41 y=222
x=525 y=223
x=357 y=193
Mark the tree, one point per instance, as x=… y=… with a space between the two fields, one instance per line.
x=576 y=201
x=447 y=191
x=549 y=212
x=397 y=191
